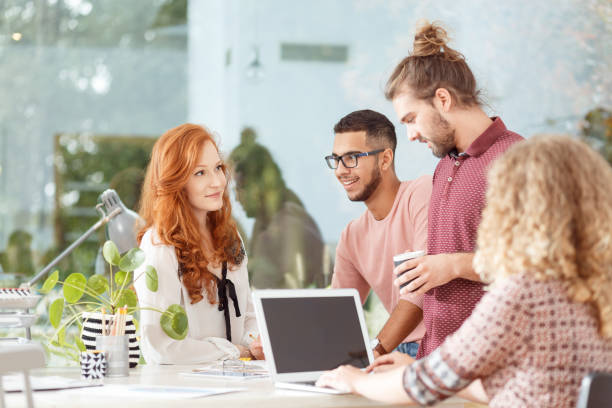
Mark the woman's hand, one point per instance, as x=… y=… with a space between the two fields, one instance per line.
x=343 y=378
x=387 y=386
x=244 y=352
x=389 y=361
x=256 y=349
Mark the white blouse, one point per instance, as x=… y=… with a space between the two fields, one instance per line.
x=206 y=338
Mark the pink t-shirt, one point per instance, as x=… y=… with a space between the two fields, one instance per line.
x=364 y=255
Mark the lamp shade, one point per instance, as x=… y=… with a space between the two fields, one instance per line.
x=122 y=228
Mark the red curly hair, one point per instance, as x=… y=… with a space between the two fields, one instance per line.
x=164 y=205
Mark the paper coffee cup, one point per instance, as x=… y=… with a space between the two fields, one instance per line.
x=401 y=258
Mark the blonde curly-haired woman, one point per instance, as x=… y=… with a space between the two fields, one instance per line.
x=545 y=244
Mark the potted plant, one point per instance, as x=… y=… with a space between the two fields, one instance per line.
x=84 y=302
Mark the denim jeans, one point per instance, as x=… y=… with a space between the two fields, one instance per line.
x=408 y=348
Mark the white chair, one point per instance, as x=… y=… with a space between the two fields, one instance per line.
x=20 y=357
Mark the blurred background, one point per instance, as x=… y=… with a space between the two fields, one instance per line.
x=87 y=86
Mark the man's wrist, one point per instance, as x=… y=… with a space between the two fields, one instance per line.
x=456 y=262
x=462 y=265
x=380 y=349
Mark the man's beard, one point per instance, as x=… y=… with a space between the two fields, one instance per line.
x=370 y=187
x=444 y=138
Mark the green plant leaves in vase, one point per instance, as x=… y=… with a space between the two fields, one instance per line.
x=122 y=278
x=80 y=345
x=74 y=287
x=98 y=284
x=127 y=297
x=108 y=292
x=56 y=309
x=59 y=339
x=174 y=322
x=132 y=259
x=151 y=278
x=111 y=253
x=50 y=282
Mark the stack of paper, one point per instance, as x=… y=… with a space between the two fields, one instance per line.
x=234 y=369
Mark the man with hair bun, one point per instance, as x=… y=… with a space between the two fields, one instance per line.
x=434 y=94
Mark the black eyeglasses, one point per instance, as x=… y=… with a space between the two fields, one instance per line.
x=348 y=160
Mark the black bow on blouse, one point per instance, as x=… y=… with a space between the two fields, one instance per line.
x=225 y=285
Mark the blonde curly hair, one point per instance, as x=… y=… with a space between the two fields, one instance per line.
x=549 y=214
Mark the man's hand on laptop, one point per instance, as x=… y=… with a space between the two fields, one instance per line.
x=389 y=361
x=342 y=378
x=256 y=349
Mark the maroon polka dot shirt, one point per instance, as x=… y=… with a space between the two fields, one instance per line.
x=457 y=201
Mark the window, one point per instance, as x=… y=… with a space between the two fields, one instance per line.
x=83 y=80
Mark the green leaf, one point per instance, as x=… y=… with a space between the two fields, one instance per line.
x=151 y=278
x=132 y=259
x=127 y=297
x=56 y=309
x=120 y=277
x=136 y=324
x=98 y=284
x=50 y=282
x=61 y=337
x=174 y=322
x=80 y=345
x=74 y=286
x=111 y=253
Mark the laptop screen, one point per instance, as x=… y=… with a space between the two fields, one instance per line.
x=314 y=333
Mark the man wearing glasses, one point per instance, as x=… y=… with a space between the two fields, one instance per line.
x=395 y=222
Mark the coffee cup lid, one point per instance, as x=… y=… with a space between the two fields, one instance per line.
x=408 y=255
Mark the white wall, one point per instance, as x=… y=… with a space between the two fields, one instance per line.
x=537 y=61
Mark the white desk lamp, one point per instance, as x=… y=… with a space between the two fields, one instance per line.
x=122 y=223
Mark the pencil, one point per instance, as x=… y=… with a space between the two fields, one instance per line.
x=115 y=323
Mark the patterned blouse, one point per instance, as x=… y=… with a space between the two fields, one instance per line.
x=528 y=343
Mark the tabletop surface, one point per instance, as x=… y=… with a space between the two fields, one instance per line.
x=255 y=392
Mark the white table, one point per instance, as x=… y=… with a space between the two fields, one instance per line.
x=259 y=393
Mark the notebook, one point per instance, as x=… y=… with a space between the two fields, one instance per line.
x=305 y=332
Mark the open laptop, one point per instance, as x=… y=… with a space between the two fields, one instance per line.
x=305 y=332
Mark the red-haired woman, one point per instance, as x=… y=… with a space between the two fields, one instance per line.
x=190 y=238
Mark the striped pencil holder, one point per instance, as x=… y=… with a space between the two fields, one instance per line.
x=92 y=328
